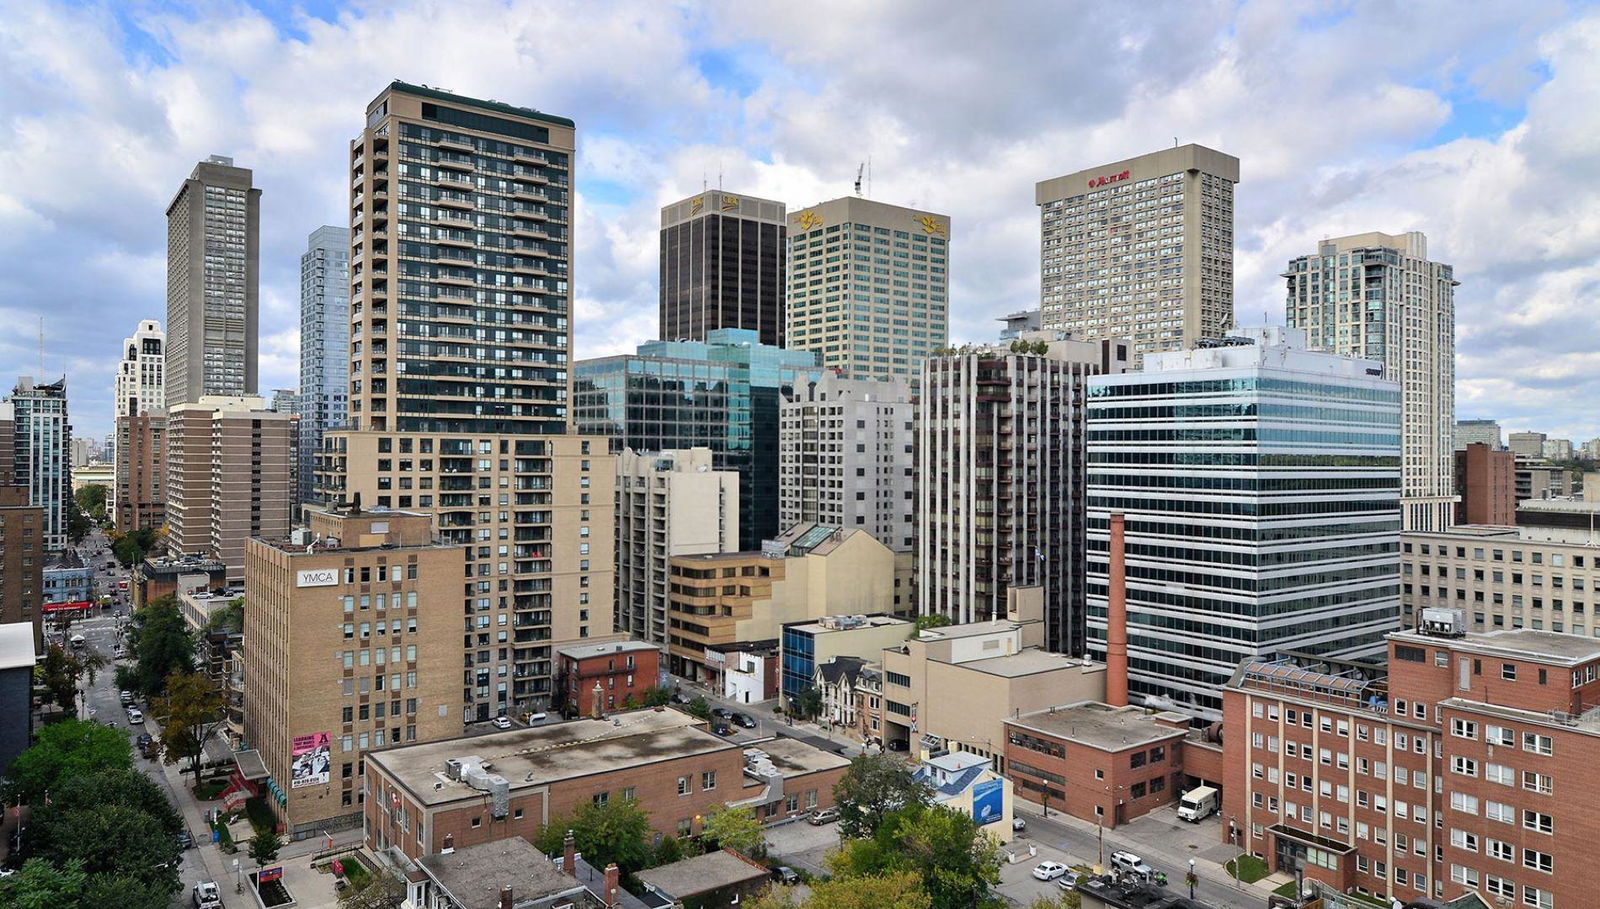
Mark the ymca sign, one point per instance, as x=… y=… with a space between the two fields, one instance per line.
x=316 y=577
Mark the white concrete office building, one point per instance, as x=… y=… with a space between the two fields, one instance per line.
x=1379 y=297
x=845 y=458
x=669 y=503
x=1140 y=249
x=1260 y=484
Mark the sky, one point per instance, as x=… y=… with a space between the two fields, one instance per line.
x=1477 y=123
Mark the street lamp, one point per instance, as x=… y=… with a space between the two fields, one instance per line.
x=238 y=882
x=1191 y=879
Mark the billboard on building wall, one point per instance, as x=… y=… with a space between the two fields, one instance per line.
x=988 y=801
x=311 y=760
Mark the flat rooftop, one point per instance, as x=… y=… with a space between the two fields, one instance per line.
x=16 y=645
x=793 y=757
x=1547 y=646
x=474 y=875
x=703 y=873
x=1100 y=725
x=969 y=630
x=539 y=756
x=1031 y=662
x=586 y=651
x=871 y=621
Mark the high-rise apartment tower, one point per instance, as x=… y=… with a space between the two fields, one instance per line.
x=41 y=453
x=324 y=344
x=722 y=267
x=213 y=278
x=1141 y=249
x=1377 y=296
x=141 y=380
x=869 y=286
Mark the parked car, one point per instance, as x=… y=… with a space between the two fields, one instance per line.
x=783 y=874
x=185 y=841
x=823 y=816
x=1069 y=881
x=896 y=745
x=1018 y=824
x=1131 y=864
x=681 y=699
x=135 y=716
x=743 y=719
x=207 y=895
x=501 y=722
x=722 y=713
x=1049 y=871
x=126 y=698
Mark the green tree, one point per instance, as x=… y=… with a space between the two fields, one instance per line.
x=931 y=620
x=161 y=644
x=41 y=884
x=116 y=786
x=130 y=548
x=381 y=891
x=78 y=523
x=614 y=831
x=92 y=499
x=229 y=619
x=1070 y=899
x=57 y=676
x=65 y=750
x=191 y=710
x=264 y=847
x=669 y=850
x=698 y=707
x=874 y=786
x=808 y=703
x=959 y=864
x=658 y=697
x=897 y=889
x=117 y=839
x=734 y=828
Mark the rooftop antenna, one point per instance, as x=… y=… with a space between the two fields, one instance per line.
x=719 y=176
x=704 y=183
x=1174 y=141
x=859 y=169
x=869 y=175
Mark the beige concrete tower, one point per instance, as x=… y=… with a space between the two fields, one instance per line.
x=1140 y=249
x=1378 y=296
x=228 y=477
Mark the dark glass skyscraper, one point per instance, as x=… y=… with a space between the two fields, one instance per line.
x=722 y=261
x=721 y=393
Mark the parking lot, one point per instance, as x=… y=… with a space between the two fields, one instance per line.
x=1017 y=882
x=802 y=846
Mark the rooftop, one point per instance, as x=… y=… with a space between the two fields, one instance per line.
x=501 y=107
x=16 y=645
x=968 y=630
x=538 y=756
x=792 y=757
x=1100 y=725
x=1031 y=662
x=702 y=874
x=832 y=623
x=65 y=559
x=586 y=651
x=474 y=875
x=1541 y=646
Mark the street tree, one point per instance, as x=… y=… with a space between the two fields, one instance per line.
x=64 y=750
x=58 y=678
x=116 y=839
x=190 y=712
x=959 y=863
x=92 y=499
x=264 y=847
x=872 y=787
x=379 y=892
x=42 y=884
x=734 y=828
x=117 y=786
x=697 y=707
x=808 y=703
x=161 y=644
x=899 y=889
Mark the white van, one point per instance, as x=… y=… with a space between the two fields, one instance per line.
x=135 y=716
x=1197 y=804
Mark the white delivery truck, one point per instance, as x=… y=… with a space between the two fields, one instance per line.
x=1197 y=804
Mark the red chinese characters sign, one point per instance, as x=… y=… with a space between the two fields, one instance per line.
x=1095 y=182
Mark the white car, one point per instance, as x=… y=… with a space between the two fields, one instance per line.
x=501 y=722
x=1018 y=824
x=1049 y=871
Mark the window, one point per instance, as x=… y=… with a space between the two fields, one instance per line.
x=1461 y=874
x=1463 y=729
x=1508 y=671
x=1538 y=744
x=1499 y=849
x=1536 y=782
x=477 y=821
x=1542 y=899
x=1499 y=811
x=1499 y=735
x=1461 y=839
x=1534 y=820
x=1538 y=861
x=1460 y=801
x=1464 y=766
x=683 y=785
x=708 y=779
x=1499 y=773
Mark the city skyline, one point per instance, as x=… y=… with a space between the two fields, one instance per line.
x=677 y=104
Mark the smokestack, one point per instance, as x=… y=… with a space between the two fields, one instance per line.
x=598 y=708
x=505 y=897
x=613 y=897
x=1117 y=617
x=569 y=855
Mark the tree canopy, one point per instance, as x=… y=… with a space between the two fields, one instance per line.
x=872 y=787
x=264 y=847
x=190 y=712
x=118 y=839
x=64 y=750
x=734 y=828
x=612 y=831
x=92 y=499
x=958 y=863
x=161 y=645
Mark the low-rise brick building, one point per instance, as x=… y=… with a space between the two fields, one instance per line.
x=1098 y=763
x=618 y=670
x=452 y=794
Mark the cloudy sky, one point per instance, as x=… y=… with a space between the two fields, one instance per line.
x=1478 y=123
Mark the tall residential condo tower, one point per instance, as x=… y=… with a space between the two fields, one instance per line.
x=141 y=382
x=213 y=274
x=1141 y=249
x=1000 y=479
x=1378 y=296
x=138 y=499
x=1260 y=485
x=869 y=286
x=460 y=246
x=324 y=344
x=722 y=266
x=41 y=449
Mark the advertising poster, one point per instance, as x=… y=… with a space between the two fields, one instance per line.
x=988 y=801
x=311 y=759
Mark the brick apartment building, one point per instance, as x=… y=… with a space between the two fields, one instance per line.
x=1486 y=482
x=1467 y=767
x=427 y=798
x=620 y=670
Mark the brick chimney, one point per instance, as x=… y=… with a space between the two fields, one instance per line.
x=569 y=855
x=505 y=897
x=613 y=889
x=1117 y=617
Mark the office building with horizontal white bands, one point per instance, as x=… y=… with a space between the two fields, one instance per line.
x=1261 y=486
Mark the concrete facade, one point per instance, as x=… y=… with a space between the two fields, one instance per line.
x=348 y=652
x=722 y=266
x=1403 y=317
x=1486 y=432
x=141 y=377
x=1526 y=444
x=669 y=503
x=1541 y=579
x=807 y=646
x=887 y=309
x=213 y=283
x=229 y=468
x=845 y=457
x=1140 y=249
x=1000 y=463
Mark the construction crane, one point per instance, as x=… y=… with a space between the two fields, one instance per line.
x=860 y=169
